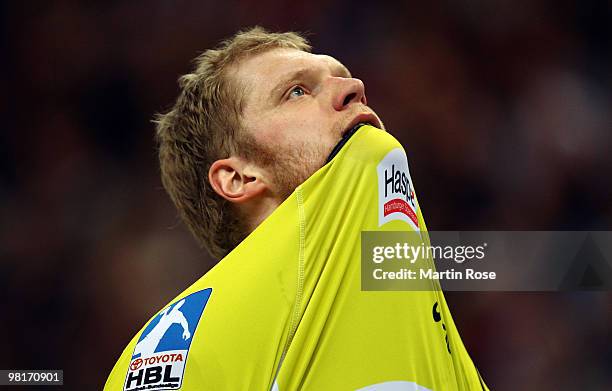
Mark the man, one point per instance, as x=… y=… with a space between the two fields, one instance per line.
x=277 y=164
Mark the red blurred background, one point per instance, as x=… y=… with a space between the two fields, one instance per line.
x=504 y=109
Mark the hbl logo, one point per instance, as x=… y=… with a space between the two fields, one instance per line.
x=158 y=361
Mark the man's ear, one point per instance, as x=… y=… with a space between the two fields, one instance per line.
x=236 y=180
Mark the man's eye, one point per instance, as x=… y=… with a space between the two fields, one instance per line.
x=296 y=91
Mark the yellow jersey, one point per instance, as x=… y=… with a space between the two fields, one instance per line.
x=285 y=309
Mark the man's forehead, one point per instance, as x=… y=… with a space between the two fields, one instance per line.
x=276 y=64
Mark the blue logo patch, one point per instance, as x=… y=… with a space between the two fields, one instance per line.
x=158 y=360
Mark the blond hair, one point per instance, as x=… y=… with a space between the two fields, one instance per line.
x=203 y=126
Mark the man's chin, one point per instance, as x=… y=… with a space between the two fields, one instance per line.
x=345 y=138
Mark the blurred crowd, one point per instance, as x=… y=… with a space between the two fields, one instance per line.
x=504 y=109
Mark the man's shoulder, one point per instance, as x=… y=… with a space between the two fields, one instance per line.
x=213 y=328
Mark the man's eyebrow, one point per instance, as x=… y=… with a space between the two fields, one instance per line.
x=339 y=70
x=292 y=76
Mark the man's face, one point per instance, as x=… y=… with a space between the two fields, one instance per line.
x=297 y=106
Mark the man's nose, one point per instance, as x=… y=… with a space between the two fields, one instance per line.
x=349 y=91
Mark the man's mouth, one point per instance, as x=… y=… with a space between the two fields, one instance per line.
x=349 y=131
x=362 y=119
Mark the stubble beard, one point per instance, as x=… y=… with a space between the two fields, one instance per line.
x=288 y=166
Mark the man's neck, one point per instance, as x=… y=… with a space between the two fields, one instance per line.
x=257 y=213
